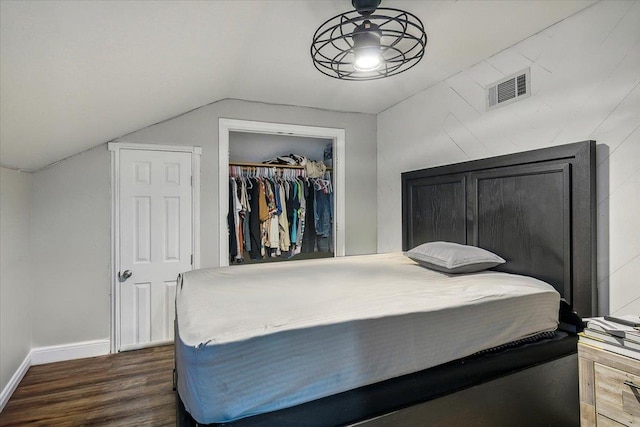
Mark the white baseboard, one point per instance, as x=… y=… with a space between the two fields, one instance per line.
x=145 y=345
x=60 y=353
x=11 y=386
x=50 y=354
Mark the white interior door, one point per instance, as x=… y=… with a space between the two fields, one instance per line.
x=155 y=242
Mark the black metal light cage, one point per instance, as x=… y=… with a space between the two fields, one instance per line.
x=401 y=46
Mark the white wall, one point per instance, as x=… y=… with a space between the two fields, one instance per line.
x=256 y=148
x=585 y=74
x=200 y=128
x=15 y=272
x=71 y=249
x=71 y=218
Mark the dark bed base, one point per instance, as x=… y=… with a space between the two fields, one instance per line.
x=533 y=384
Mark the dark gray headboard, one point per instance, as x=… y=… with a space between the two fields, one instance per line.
x=536 y=209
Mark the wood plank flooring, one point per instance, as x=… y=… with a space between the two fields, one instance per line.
x=134 y=388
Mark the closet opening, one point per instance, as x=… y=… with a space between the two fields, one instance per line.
x=281 y=192
x=281 y=198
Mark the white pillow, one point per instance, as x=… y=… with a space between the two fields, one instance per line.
x=451 y=257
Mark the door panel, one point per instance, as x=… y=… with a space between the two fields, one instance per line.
x=142 y=230
x=155 y=241
x=169 y=313
x=171 y=249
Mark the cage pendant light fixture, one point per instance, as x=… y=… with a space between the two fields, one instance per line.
x=368 y=43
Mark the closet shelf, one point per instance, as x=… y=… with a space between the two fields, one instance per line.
x=266 y=165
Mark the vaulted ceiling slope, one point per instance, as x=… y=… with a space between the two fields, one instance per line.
x=75 y=74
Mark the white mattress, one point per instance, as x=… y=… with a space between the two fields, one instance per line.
x=257 y=338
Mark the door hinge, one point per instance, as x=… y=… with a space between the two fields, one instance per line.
x=191 y=259
x=192 y=180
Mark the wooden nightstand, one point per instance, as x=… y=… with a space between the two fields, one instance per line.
x=609 y=388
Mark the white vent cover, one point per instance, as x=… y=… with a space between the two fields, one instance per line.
x=509 y=89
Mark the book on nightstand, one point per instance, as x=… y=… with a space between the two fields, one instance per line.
x=619 y=334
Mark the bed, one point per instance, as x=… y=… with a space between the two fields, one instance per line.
x=353 y=350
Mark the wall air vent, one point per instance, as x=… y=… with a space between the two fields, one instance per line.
x=509 y=89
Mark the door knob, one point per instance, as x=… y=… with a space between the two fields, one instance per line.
x=124 y=276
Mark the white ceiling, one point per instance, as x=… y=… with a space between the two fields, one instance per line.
x=75 y=74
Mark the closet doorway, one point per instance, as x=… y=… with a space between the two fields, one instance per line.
x=311 y=141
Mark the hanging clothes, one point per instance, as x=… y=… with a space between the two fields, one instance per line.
x=254 y=220
x=272 y=226
x=283 y=221
x=309 y=238
x=301 y=219
x=231 y=224
x=238 y=209
x=245 y=214
x=323 y=213
x=264 y=218
x=276 y=212
x=295 y=206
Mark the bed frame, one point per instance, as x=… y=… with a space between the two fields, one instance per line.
x=537 y=210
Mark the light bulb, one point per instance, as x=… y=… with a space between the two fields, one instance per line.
x=367 y=60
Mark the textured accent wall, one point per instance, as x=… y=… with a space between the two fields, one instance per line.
x=585 y=75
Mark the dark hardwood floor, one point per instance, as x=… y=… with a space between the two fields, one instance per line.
x=125 y=389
